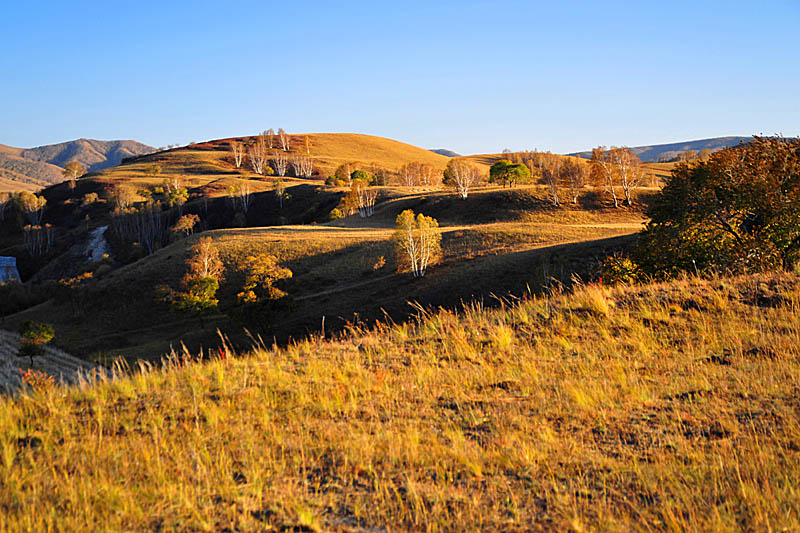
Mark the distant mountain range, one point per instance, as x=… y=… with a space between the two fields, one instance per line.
x=445 y=152
x=660 y=152
x=33 y=168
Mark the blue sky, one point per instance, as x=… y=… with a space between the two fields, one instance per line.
x=470 y=76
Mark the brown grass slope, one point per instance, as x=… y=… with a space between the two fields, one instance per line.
x=658 y=407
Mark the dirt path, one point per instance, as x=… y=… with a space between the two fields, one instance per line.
x=59 y=364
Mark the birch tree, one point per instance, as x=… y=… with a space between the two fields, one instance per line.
x=362 y=197
x=302 y=165
x=417 y=242
x=237 y=152
x=575 y=175
x=270 y=134
x=280 y=162
x=462 y=176
x=629 y=171
x=284 y=139
x=550 y=167
x=258 y=154
x=604 y=171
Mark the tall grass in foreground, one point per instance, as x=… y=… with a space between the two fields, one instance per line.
x=667 y=406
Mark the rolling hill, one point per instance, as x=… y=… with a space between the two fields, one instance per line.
x=211 y=160
x=657 y=152
x=34 y=168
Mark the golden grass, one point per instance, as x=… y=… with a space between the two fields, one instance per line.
x=676 y=408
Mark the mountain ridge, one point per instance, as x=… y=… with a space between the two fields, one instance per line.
x=653 y=153
x=40 y=166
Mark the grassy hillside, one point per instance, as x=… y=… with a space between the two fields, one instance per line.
x=659 y=407
x=498 y=241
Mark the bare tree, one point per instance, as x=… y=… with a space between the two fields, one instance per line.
x=409 y=174
x=307 y=143
x=245 y=198
x=551 y=169
x=280 y=162
x=284 y=139
x=629 y=170
x=603 y=170
x=270 y=134
x=362 y=198
x=302 y=165
x=462 y=176
x=237 y=151
x=205 y=261
x=575 y=174
x=258 y=154
x=38 y=240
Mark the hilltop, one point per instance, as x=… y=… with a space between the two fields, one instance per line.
x=212 y=159
x=659 y=152
x=668 y=406
x=34 y=168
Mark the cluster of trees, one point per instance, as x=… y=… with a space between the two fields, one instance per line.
x=258 y=302
x=737 y=211
x=198 y=288
x=361 y=197
x=417 y=174
x=38 y=240
x=29 y=209
x=617 y=168
x=268 y=154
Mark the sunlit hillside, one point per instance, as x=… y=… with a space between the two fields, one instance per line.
x=212 y=160
x=659 y=407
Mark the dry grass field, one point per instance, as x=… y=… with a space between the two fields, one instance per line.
x=669 y=407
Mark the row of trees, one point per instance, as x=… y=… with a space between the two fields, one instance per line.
x=268 y=153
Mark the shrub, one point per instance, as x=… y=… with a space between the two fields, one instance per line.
x=739 y=210
x=619 y=269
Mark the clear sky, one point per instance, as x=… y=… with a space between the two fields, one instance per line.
x=469 y=76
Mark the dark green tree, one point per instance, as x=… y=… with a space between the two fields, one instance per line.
x=509 y=173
